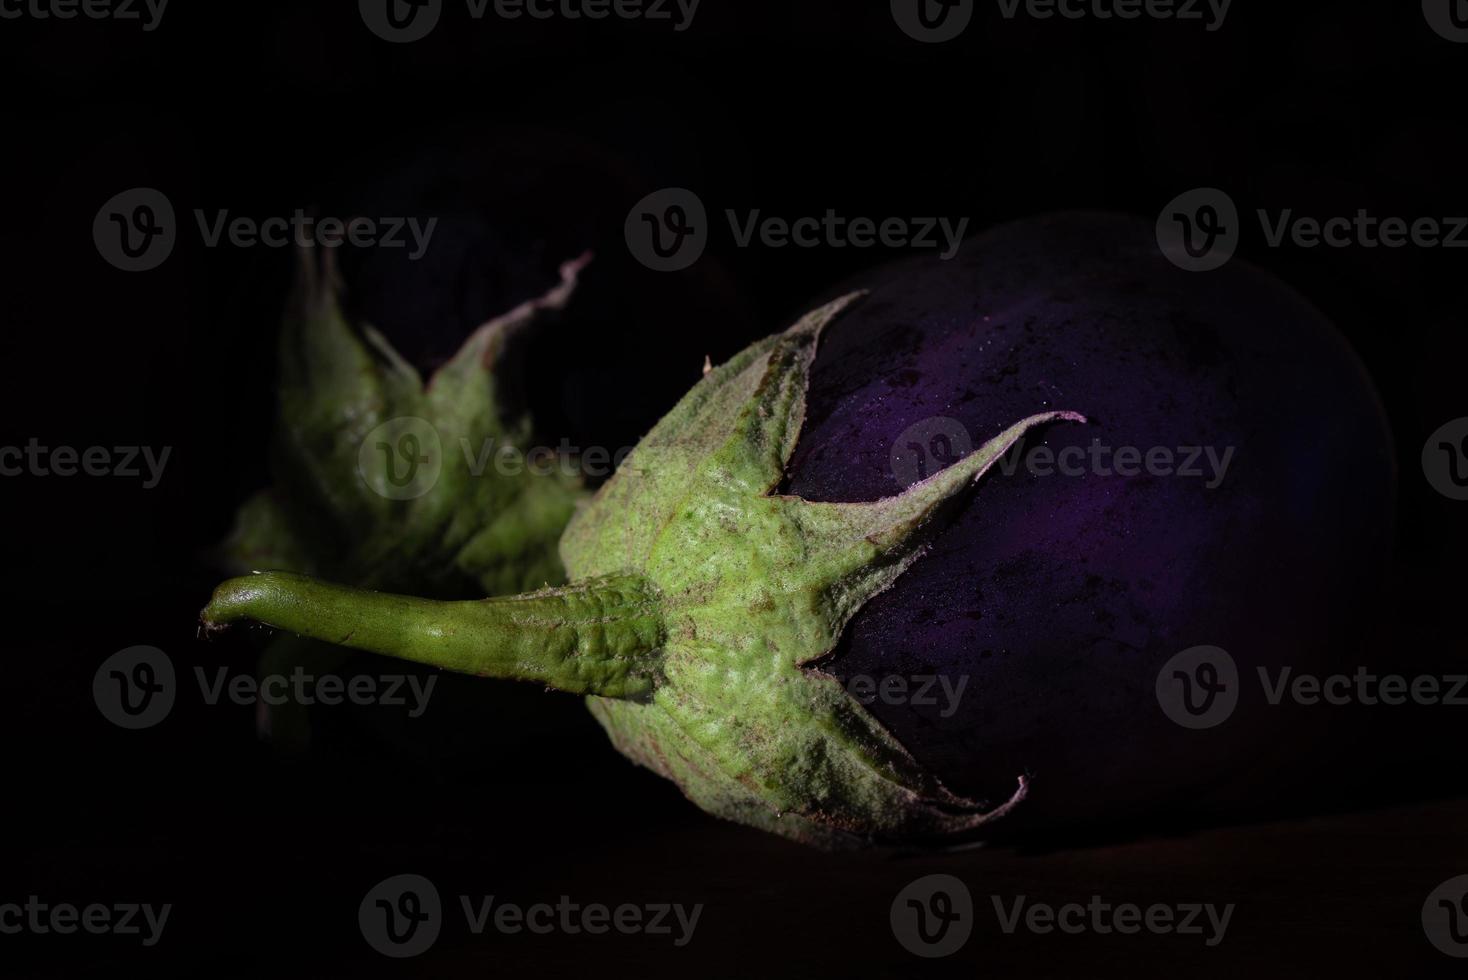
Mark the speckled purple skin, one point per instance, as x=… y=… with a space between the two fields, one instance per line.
x=1060 y=597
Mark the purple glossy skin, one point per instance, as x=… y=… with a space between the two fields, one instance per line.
x=1061 y=597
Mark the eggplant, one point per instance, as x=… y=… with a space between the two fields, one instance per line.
x=1061 y=597
x=469 y=333
x=471 y=337
x=772 y=541
x=370 y=485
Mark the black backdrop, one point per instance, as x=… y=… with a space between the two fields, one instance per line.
x=544 y=135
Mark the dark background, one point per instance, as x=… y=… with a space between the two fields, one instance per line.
x=540 y=137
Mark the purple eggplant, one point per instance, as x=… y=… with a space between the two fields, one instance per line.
x=789 y=601
x=1264 y=530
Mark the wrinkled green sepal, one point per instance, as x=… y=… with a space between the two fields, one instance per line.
x=753 y=588
x=340 y=506
x=382 y=480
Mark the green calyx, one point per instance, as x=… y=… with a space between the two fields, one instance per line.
x=738 y=590
x=384 y=480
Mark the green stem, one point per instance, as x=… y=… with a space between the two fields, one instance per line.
x=600 y=636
